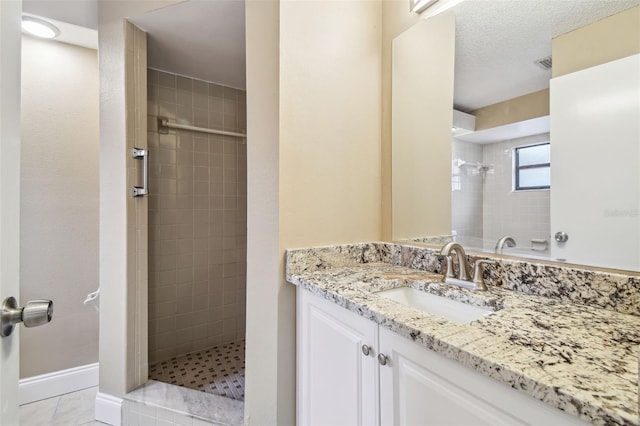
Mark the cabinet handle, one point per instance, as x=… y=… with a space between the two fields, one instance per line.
x=382 y=359
x=366 y=349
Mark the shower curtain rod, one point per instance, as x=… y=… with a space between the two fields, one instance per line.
x=164 y=124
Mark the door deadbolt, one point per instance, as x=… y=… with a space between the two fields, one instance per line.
x=33 y=314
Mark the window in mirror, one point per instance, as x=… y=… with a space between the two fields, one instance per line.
x=532 y=167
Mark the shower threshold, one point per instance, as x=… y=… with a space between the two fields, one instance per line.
x=162 y=403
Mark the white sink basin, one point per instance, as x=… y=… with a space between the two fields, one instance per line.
x=452 y=310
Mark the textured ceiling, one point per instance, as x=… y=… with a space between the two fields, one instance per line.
x=82 y=13
x=202 y=39
x=497 y=42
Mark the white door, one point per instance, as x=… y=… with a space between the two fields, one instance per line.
x=595 y=165
x=10 y=40
x=337 y=380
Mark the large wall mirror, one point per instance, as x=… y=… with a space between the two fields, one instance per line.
x=544 y=134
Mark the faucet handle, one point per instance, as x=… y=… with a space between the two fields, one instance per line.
x=477 y=273
x=449 y=268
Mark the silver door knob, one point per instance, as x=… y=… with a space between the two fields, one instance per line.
x=382 y=359
x=33 y=314
x=561 y=237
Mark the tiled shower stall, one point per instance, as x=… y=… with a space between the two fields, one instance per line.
x=484 y=205
x=197 y=235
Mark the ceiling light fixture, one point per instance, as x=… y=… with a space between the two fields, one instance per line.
x=418 y=6
x=39 y=27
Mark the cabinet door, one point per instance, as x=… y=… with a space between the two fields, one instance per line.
x=421 y=387
x=337 y=382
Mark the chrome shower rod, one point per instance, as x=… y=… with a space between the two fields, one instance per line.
x=164 y=124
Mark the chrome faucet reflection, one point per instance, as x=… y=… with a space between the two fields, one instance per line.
x=463 y=279
x=505 y=241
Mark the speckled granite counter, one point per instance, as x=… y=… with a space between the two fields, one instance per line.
x=579 y=358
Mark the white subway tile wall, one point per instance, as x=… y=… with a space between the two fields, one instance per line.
x=197 y=217
x=486 y=207
x=524 y=215
x=466 y=198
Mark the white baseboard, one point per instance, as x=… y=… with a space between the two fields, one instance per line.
x=108 y=409
x=57 y=383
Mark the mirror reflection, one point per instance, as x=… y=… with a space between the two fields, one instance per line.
x=544 y=150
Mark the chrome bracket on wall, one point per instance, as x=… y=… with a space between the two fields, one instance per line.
x=142 y=154
x=163 y=129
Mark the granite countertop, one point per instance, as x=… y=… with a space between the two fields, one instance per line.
x=579 y=358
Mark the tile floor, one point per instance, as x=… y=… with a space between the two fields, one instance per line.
x=72 y=409
x=218 y=370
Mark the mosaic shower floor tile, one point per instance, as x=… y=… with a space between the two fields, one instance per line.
x=218 y=370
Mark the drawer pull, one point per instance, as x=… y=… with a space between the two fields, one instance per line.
x=366 y=349
x=382 y=359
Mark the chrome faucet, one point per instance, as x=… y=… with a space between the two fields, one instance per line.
x=463 y=273
x=506 y=240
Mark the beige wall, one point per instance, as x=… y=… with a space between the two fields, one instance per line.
x=396 y=19
x=123 y=219
x=138 y=207
x=264 y=394
x=263 y=251
x=612 y=38
x=113 y=211
x=59 y=202
x=197 y=217
x=525 y=107
x=315 y=177
x=329 y=115
x=421 y=127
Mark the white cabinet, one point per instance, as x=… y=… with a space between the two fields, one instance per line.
x=421 y=387
x=337 y=382
x=417 y=384
x=339 y=385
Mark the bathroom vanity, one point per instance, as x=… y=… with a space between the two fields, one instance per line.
x=365 y=358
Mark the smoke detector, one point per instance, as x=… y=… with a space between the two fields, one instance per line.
x=544 y=63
